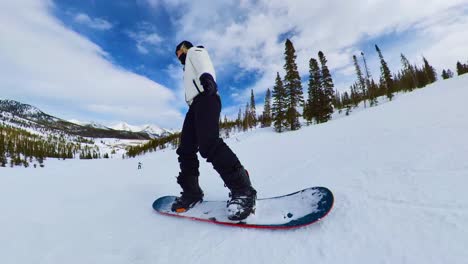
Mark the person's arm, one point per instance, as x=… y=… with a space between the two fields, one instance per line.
x=208 y=83
x=204 y=69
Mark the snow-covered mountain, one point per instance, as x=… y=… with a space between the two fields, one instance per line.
x=398 y=172
x=33 y=119
x=26 y=111
x=89 y=124
x=152 y=131
x=149 y=129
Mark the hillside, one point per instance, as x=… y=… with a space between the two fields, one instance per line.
x=43 y=135
x=398 y=172
x=29 y=117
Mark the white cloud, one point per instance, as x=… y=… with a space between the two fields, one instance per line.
x=43 y=61
x=246 y=33
x=447 y=41
x=142 y=49
x=153 y=3
x=146 y=38
x=96 y=23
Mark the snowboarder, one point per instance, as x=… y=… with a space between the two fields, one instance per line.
x=200 y=132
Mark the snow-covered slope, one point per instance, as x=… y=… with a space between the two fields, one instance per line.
x=398 y=172
x=152 y=129
x=126 y=127
x=20 y=109
x=30 y=118
x=123 y=126
x=90 y=124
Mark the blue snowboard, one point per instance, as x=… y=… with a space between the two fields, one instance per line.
x=283 y=212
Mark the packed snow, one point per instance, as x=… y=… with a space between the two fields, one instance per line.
x=398 y=172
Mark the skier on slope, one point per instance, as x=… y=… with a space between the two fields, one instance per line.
x=200 y=132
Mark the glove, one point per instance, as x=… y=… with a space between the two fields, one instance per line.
x=209 y=85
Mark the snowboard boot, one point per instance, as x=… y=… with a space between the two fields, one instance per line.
x=242 y=197
x=191 y=194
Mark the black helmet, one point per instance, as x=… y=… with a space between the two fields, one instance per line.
x=184 y=43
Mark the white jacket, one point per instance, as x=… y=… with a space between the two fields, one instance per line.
x=197 y=62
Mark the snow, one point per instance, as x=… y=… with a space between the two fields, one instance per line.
x=151 y=130
x=119 y=146
x=26 y=109
x=126 y=127
x=78 y=122
x=398 y=172
x=91 y=124
x=15 y=121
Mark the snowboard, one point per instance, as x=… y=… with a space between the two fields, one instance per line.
x=289 y=211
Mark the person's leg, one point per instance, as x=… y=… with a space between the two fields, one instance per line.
x=207 y=111
x=188 y=162
x=188 y=147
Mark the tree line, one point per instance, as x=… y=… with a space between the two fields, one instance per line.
x=462 y=68
x=154 y=144
x=365 y=89
x=285 y=103
x=19 y=147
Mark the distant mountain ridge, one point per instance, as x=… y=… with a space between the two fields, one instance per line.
x=25 y=111
x=150 y=129
x=28 y=116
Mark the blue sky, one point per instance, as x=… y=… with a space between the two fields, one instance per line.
x=110 y=61
x=137 y=37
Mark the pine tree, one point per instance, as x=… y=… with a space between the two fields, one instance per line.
x=449 y=73
x=3 y=159
x=312 y=106
x=247 y=117
x=373 y=90
x=337 y=100
x=386 y=75
x=293 y=87
x=461 y=68
x=239 y=120
x=429 y=71
x=253 y=112
x=354 y=95
x=408 y=74
x=421 y=76
x=279 y=105
x=360 y=79
x=326 y=106
x=227 y=129
x=444 y=74
x=370 y=84
x=266 y=116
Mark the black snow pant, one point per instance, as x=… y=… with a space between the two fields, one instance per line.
x=200 y=132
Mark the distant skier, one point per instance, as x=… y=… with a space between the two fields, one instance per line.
x=200 y=132
x=139 y=165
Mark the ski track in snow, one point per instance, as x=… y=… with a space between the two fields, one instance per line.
x=398 y=172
